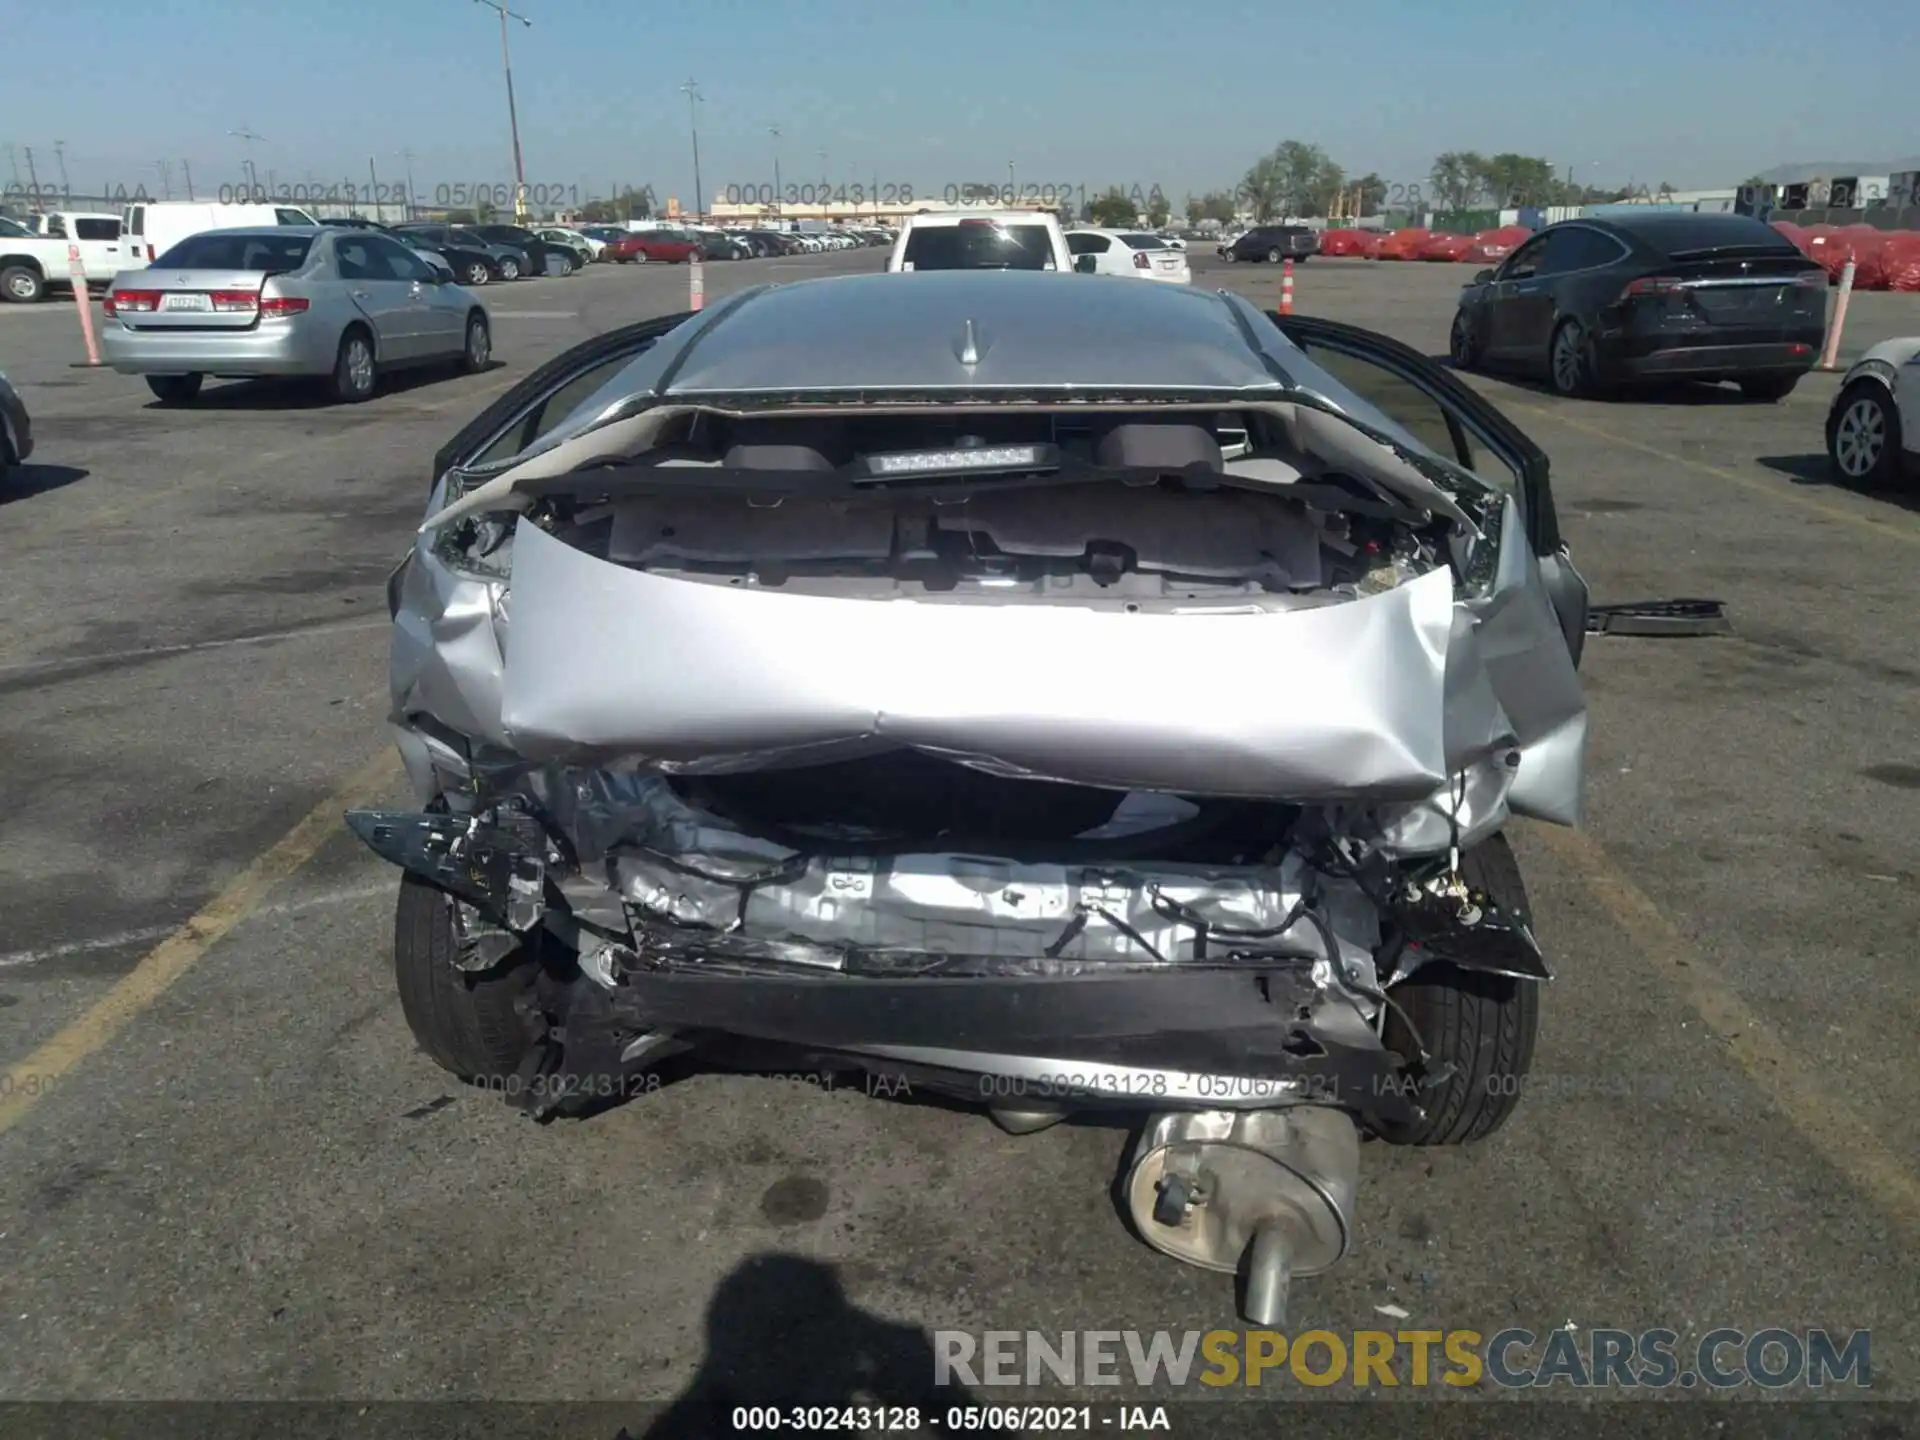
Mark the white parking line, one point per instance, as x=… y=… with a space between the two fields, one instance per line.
x=535 y=314
x=150 y=933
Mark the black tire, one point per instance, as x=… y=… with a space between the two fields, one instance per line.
x=1484 y=1025
x=509 y=269
x=356 y=372
x=1463 y=342
x=1864 y=441
x=1574 y=374
x=1768 y=388
x=477 y=273
x=1228 y=256
x=175 y=389
x=1274 y=257
x=22 y=284
x=468 y=1023
x=477 y=353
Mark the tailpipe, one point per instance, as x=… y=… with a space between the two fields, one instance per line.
x=1266 y=1193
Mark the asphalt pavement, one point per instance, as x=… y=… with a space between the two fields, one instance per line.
x=226 y=1173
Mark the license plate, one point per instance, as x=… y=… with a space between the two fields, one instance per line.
x=179 y=301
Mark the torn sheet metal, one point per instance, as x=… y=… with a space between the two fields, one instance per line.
x=1345 y=701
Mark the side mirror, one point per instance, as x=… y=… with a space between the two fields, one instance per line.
x=1485 y=277
x=1086 y=264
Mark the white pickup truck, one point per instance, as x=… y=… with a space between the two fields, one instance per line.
x=34 y=257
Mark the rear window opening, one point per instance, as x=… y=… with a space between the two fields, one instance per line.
x=984 y=246
x=273 y=254
x=1144 y=242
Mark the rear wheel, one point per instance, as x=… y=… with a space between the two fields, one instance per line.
x=1483 y=1025
x=1768 y=387
x=175 y=389
x=22 y=284
x=355 y=373
x=1463 y=342
x=1274 y=257
x=509 y=269
x=1570 y=362
x=477 y=273
x=468 y=1023
x=1863 y=435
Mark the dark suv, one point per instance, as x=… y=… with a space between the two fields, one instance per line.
x=1273 y=243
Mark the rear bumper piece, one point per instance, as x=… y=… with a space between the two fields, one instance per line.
x=276 y=349
x=1215 y=1040
x=1676 y=361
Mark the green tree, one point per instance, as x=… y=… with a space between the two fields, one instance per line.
x=1262 y=188
x=629 y=204
x=1373 y=193
x=1112 y=210
x=1510 y=179
x=1456 y=178
x=1217 y=205
x=1308 y=178
x=1195 y=209
x=462 y=217
x=1159 y=212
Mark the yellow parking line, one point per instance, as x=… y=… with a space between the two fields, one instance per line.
x=1825 y=1121
x=1891 y=527
x=25 y=1084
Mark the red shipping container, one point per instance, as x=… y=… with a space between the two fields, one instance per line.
x=1403 y=244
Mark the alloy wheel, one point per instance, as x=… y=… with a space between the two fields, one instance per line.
x=360 y=365
x=1860 y=438
x=479 y=344
x=1569 y=363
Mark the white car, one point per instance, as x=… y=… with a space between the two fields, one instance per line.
x=1873 y=425
x=1128 y=252
x=1002 y=240
x=579 y=239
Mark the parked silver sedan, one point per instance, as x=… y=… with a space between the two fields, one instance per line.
x=345 y=305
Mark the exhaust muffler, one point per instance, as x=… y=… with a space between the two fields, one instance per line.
x=1264 y=1193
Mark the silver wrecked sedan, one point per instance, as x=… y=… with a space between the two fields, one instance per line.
x=1059 y=694
x=345 y=305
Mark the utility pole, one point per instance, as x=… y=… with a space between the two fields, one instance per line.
x=13 y=163
x=375 y=179
x=60 y=154
x=407 y=156
x=774 y=131
x=1012 y=190
x=513 y=115
x=33 y=176
x=247 y=137
x=186 y=169
x=692 y=90
x=166 y=180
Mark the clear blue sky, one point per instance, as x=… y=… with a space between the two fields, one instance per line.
x=1179 y=93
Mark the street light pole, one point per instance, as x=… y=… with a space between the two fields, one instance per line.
x=774 y=131
x=692 y=92
x=407 y=156
x=513 y=115
x=247 y=137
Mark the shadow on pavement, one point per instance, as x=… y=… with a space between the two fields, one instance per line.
x=1816 y=471
x=781 y=1333
x=23 y=482
x=313 y=394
